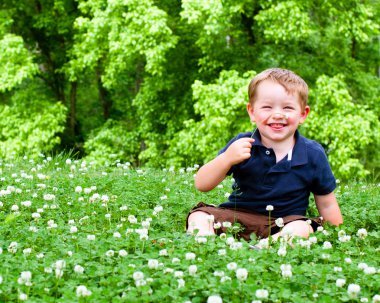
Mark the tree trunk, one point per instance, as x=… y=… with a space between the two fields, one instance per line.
x=73 y=109
x=104 y=97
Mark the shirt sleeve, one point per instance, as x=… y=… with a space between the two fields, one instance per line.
x=323 y=180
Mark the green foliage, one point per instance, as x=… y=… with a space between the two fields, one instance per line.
x=285 y=21
x=112 y=142
x=345 y=128
x=121 y=35
x=69 y=223
x=221 y=108
x=30 y=124
x=16 y=62
x=145 y=64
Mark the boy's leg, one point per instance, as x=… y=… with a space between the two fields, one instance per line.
x=295 y=228
x=201 y=221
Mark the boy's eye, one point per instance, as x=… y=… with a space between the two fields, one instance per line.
x=266 y=106
x=289 y=107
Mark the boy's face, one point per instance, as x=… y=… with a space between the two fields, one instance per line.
x=276 y=113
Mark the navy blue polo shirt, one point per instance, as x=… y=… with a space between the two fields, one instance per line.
x=260 y=181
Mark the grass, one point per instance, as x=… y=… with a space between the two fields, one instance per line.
x=72 y=232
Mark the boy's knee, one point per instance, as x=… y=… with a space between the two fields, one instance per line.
x=197 y=216
x=298 y=228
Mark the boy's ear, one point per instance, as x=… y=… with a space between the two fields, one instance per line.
x=304 y=114
x=250 y=112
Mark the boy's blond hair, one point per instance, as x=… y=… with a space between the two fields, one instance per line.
x=292 y=83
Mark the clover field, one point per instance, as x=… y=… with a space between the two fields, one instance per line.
x=74 y=232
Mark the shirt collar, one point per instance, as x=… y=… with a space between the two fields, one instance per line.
x=299 y=156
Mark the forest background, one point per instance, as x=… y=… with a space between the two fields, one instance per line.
x=164 y=83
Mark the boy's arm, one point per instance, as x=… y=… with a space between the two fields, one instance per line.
x=328 y=208
x=214 y=172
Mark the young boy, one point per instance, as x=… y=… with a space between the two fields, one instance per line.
x=273 y=167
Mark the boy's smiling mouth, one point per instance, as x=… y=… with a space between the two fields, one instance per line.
x=277 y=125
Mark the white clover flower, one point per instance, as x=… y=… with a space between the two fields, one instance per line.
x=376 y=299
x=222 y=236
x=337 y=269
x=362 y=265
x=78 y=189
x=320 y=228
x=181 y=283
x=340 y=282
x=341 y=233
x=27 y=251
x=236 y=246
x=163 y=252
x=226 y=224
x=364 y=300
x=145 y=224
x=190 y=256
x=232 y=266
x=110 y=253
x=353 y=290
x=281 y=251
x=49 y=197
x=23 y=297
x=68 y=161
x=345 y=238
x=60 y=264
x=26 y=203
x=227 y=195
x=168 y=270
x=348 y=260
x=79 y=269
x=132 y=219
x=87 y=190
x=73 y=229
x=222 y=252
x=201 y=240
x=286 y=274
x=158 y=209
x=123 y=253
x=217 y=225
x=48 y=270
x=214 y=299
x=269 y=207
x=116 y=235
x=279 y=222
x=178 y=274
x=327 y=245
x=230 y=240
x=370 y=270
x=362 y=233
x=263 y=243
x=225 y=279
x=25 y=278
x=138 y=275
x=262 y=293
x=192 y=270
x=241 y=274
x=1 y=280
x=40 y=255
x=91 y=237
x=82 y=291
x=12 y=248
x=153 y=263
x=218 y=273
x=14 y=207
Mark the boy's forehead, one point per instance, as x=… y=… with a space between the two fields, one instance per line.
x=270 y=89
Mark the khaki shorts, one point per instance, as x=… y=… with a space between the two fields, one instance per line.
x=250 y=221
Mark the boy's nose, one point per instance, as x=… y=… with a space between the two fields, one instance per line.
x=279 y=116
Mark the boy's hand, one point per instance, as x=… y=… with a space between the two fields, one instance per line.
x=239 y=151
